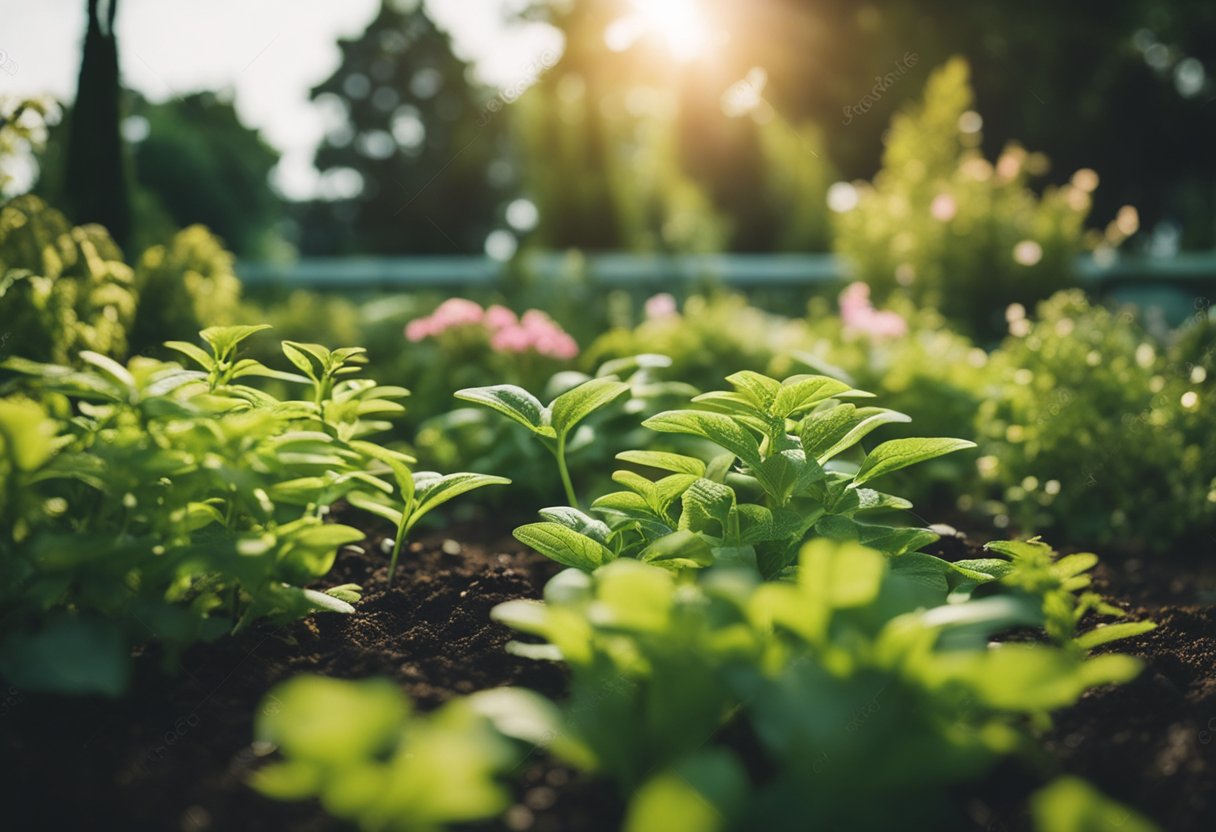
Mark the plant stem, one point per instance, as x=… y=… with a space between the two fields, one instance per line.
x=560 y=453
x=392 y=563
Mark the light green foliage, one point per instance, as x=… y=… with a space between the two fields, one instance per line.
x=779 y=471
x=1069 y=804
x=958 y=233
x=147 y=502
x=22 y=129
x=552 y=424
x=1089 y=431
x=360 y=749
x=866 y=696
x=712 y=333
x=63 y=290
x=185 y=285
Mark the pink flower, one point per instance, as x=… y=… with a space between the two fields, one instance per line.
x=457 y=312
x=661 y=306
x=418 y=330
x=943 y=208
x=499 y=317
x=859 y=315
x=511 y=339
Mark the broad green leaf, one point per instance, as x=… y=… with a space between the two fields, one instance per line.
x=110 y=367
x=760 y=390
x=716 y=427
x=802 y=392
x=572 y=407
x=828 y=433
x=900 y=453
x=197 y=354
x=432 y=490
x=224 y=339
x=706 y=502
x=682 y=549
x=372 y=505
x=564 y=545
x=327 y=721
x=298 y=358
x=676 y=463
x=328 y=603
x=513 y=402
x=575 y=520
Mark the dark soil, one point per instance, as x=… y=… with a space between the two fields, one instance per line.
x=176 y=753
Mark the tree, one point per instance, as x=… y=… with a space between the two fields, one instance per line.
x=95 y=182
x=408 y=164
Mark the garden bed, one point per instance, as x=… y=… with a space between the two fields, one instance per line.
x=176 y=753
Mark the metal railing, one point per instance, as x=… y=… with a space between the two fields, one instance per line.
x=1186 y=272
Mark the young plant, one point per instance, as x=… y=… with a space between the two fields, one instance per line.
x=776 y=476
x=1061 y=586
x=202 y=500
x=909 y=697
x=554 y=423
x=360 y=749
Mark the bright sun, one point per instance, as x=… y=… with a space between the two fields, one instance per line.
x=680 y=24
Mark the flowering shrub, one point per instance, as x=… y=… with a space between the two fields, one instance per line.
x=534 y=332
x=859 y=315
x=957 y=232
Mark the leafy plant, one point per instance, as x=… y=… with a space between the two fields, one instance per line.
x=185 y=285
x=953 y=230
x=370 y=759
x=860 y=695
x=63 y=289
x=777 y=475
x=202 y=500
x=552 y=424
x=1089 y=431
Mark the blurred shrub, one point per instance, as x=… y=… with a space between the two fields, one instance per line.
x=184 y=286
x=63 y=289
x=956 y=232
x=714 y=335
x=1089 y=434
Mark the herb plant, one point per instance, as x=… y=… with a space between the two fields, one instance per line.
x=150 y=503
x=777 y=474
x=861 y=703
x=551 y=424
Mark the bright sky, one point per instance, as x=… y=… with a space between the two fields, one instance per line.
x=269 y=51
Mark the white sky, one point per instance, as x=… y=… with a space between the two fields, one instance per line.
x=269 y=51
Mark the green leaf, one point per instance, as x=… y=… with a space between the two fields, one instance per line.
x=1106 y=633
x=718 y=428
x=513 y=402
x=800 y=393
x=224 y=339
x=564 y=545
x=1069 y=804
x=575 y=520
x=572 y=407
x=433 y=490
x=706 y=502
x=680 y=549
x=328 y=603
x=760 y=390
x=197 y=354
x=664 y=461
x=828 y=433
x=900 y=453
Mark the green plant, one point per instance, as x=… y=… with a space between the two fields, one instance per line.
x=185 y=285
x=202 y=500
x=861 y=697
x=63 y=289
x=1088 y=431
x=778 y=474
x=370 y=759
x=1061 y=587
x=956 y=232
x=554 y=423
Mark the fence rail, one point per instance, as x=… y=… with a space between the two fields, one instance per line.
x=1184 y=272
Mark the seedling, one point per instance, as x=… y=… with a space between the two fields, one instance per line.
x=551 y=424
x=776 y=475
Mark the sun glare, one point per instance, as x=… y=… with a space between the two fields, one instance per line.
x=681 y=25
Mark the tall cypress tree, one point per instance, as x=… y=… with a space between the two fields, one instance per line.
x=95 y=186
